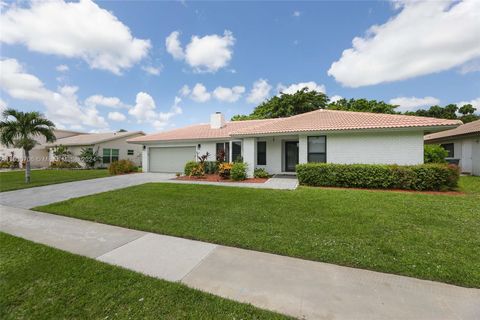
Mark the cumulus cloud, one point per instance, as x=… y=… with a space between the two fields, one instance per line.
x=145 y=111
x=62 y=106
x=424 y=37
x=260 y=91
x=228 y=94
x=204 y=54
x=75 y=30
x=199 y=93
x=174 y=47
x=293 y=88
x=154 y=71
x=62 y=68
x=99 y=100
x=116 y=116
x=185 y=90
x=413 y=103
x=335 y=98
x=474 y=102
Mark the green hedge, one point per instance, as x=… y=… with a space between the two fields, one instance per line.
x=436 y=177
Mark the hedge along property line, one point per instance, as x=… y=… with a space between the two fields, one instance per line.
x=436 y=177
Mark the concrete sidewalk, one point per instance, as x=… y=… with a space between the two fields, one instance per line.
x=291 y=286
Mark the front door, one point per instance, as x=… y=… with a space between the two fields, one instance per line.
x=291 y=155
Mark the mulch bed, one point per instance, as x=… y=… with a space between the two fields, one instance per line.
x=217 y=178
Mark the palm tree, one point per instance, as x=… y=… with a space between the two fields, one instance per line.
x=19 y=129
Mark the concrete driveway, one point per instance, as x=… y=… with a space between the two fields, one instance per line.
x=39 y=196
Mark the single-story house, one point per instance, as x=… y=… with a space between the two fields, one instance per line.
x=462 y=144
x=39 y=157
x=278 y=145
x=110 y=146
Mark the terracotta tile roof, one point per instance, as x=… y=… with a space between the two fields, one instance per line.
x=202 y=131
x=334 y=120
x=319 y=120
x=86 y=139
x=465 y=129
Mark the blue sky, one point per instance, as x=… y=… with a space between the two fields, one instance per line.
x=106 y=66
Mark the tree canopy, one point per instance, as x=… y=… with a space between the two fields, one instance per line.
x=304 y=100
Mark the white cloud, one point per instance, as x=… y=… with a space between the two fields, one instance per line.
x=62 y=106
x=75 y=30
x=99 y=100
x=185 y=90
x=474 y=102
x=204 y=54
x=174 y=47
x=335 y=98
x=62 y=68
x=200 y=93
x=154 y=71
x=116 y=116
x=311 y=86
x=260 y=91
x=413 y=103
x=423 y=38
x=145 y=111
x=3 y=106
x=296 y=13
x=472 y=66
x=228 y=94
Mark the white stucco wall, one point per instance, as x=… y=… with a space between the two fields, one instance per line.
x=467 y=150
x=402 y=148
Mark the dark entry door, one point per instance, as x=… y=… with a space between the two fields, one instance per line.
x=291 y=155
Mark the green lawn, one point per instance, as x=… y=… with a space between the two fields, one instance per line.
x=38 y=282
x=421 y=235
x=14 y=180
x=470 y=185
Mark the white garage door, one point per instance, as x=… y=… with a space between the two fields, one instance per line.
x=170 y=159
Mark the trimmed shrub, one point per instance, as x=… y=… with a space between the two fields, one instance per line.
x=198 y=170
x=64 y=165
x=419 y=177
x=122 y=167
x=434 y=153
x=211 y=167
x=260 y=173
x=238 y=171
x=188 y=167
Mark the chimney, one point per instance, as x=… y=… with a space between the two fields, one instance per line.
x=217 y=120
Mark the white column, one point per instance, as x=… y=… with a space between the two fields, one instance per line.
x=302 y=149
x=145 y=160
x=249 y=155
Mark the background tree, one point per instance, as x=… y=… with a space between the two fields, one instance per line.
x=287 y=105
x=363 y=105
x=467 y=112
x=18 y=129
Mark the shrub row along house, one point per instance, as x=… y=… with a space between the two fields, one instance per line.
x=462 y=144
x=109 y=146
x=278 y=145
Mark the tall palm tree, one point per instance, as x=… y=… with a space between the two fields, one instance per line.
x=19 y=129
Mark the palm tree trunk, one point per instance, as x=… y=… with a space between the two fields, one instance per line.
x=27 y=166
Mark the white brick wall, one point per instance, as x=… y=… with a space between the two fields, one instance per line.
x=403 y=148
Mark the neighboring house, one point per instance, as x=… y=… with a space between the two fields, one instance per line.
x=111 y=146
x=39 y=157
x=278 y=145
x=462 y=144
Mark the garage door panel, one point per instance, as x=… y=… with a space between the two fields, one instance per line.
x=170 y=159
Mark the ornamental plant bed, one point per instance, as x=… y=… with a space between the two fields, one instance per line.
x=217 y=178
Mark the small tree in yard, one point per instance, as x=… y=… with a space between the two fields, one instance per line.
x=61 y=153
x=89 y=157
x=434 y=153
x=18 y=129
